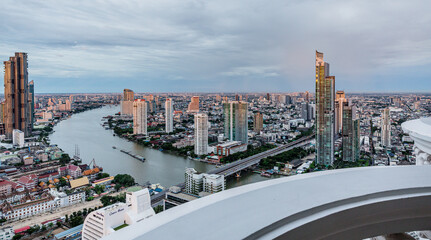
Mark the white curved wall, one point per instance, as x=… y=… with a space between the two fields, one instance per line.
x=357 y=203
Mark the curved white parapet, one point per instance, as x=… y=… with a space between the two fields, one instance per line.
x=420 y=131
x=351 y=203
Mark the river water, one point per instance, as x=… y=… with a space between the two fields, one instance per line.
x=94 y=142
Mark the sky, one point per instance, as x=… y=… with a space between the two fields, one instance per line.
x=219 y=46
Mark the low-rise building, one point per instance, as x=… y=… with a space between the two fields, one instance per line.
x=28 y=181
x=228 y=148
x=27 y=209
x=174 y=199
x=6 y=233
x=105 y=221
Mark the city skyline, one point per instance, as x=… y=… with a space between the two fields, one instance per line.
x=196 y=47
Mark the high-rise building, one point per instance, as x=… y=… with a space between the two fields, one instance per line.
x=350 y=135
x=194 y=104
x=128 y=95
x=139 y=116
x=201 y=134
x=340 y=102
x=17 y=112
x=258 y=122
x=325 y=94
x=306 y=111
x=169 y=115
x=31 y=101
x=386 y=127
x=236 y=121
x=127 y=103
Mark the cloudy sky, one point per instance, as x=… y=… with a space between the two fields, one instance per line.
x=222 y=45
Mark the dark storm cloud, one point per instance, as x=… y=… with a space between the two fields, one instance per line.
x=219 y=45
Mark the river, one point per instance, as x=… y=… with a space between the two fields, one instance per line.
x=94 y=142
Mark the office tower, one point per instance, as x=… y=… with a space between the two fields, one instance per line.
x=350 y=135
x=258 y=122
x=201 y=134
x=386 y=128
x=288 y=99
x=31 y=101
x=194 y=104
x=340 y=102
x=307 y=96
x=169 y=115
x=356 y=139
x=236 y=121
x=325 y=94
x=267 y=97
x=139 y=116
x=127 y=103
x=306 y=111
x=17 y=114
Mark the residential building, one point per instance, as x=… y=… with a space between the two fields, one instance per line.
x=44 y=204
x=386 y=127
x=340 y=102
x=213 y=183
x=103 y=222
x=18 y=138
x=258 y=122
x=195 y=182
x=194 y=104
x=139 y=116
x=28 y=181
x=325 y=94
x=236 y=121
x=169 y=118
x=31 y=101
x=201 y=134
x=350 y=135
x=17 y=112
x=127 y=102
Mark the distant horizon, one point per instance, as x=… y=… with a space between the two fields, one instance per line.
x=201 y=46
x=312 y=92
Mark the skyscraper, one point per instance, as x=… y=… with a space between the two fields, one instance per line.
x=127 y=103
x=169 y=118
x=325 y=94
x=17 y=112
x=139 y=116
x=386 y=128
x=258 y=122
x=350 y=134
x=201 y=134
x=31 y=100
x=236 y=121
x=306 y=111
x=194 y=104
x=340 y=102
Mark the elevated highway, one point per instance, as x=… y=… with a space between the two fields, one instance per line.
x=245 y=163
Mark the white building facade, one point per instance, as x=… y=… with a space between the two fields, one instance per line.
x=386 y=128
x=139 y=116
x=103 y=222
x=169 y=115
x=18 y=138
x=420 y=131
x=201 y=134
